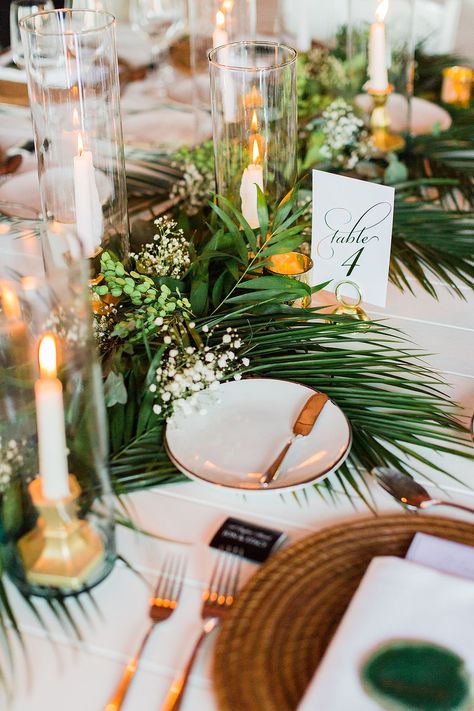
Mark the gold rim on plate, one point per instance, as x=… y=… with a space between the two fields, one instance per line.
x=281 y=623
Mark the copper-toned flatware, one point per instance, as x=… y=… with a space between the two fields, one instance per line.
x=302 y=428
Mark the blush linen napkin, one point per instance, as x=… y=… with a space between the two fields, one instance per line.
x=397 y=599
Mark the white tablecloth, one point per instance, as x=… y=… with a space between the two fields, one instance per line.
x=64 y=673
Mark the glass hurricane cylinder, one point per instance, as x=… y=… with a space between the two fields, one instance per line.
x=74 y=93
x=381 y=43
x=213 y=23
x=254 y=116
x=306 y=25
x=56 y=504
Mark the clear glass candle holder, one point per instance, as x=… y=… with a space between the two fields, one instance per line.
x=74 y=92
x=56 y=503
x=213 y=23
x=381 y=44
x=305 y=25
x=254 y=116
x=457 y=86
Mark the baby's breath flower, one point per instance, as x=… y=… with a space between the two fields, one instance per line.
x=168 y=254
x=11 y=461
x=67 y=325
x=197 y=184
x=346 y=140
x=186 y=371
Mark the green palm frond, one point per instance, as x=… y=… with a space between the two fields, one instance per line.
x=448 y=156
x=429 y=241
x=392 y=398
x=429 y=70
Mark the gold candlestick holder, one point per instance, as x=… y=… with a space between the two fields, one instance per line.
x=382 y=138
x=62 y=550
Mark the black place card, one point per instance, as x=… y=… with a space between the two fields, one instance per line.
x=247 y=540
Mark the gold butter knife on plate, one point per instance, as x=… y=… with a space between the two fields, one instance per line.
x=302 y=427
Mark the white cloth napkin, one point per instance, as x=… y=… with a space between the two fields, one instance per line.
x=396 y=599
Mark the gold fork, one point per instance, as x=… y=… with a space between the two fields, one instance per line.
x=217 y=599
x=162 y=605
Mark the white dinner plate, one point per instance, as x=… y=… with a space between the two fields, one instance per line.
x=20 y=196
x=166 y=128
x=245 y=428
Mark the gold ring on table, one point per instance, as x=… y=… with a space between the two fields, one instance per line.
x=340 y=297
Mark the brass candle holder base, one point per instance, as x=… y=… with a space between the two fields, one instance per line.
x=382 y=138
x=62 y=550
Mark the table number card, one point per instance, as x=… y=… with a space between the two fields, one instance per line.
x=352 y=234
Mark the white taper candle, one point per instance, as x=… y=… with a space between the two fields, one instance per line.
x=53 y=467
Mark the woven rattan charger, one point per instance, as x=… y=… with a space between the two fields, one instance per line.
x=283 y=620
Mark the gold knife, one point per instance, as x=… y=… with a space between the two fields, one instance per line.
x=302 y=427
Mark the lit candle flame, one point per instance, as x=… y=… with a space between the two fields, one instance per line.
x=80 y=144
x=255 y=151
x=254 y=122
x=47 y=357
x=10 y=304
x=220 y=20
x=228 y=5
x=381 y=10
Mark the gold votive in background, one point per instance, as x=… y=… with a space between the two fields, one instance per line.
x=295 y=265
x=457 y=83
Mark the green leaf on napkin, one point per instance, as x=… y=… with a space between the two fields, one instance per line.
x=410 y=675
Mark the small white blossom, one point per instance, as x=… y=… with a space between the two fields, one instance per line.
x=11 y=461
x=346 y=140
x=187 y=371
x=168 y=255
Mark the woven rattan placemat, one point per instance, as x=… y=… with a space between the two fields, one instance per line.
x=280 y=625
